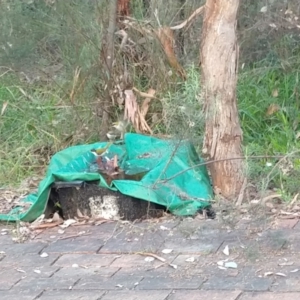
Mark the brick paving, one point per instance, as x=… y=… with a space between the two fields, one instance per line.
x=127 y=261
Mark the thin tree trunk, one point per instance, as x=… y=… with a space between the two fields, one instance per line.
x=109 y=58
x=219 y=60
x=111 y=34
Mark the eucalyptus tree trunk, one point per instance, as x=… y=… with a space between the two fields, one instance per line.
x=219 y=61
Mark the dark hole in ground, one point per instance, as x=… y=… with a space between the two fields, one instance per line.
x=209 y=212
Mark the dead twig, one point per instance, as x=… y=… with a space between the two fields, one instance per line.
x=74 y=236
x=241 y=194
x=226 y=159
x=152 y=255
x=46 y=225
x=163 y=260
x=196 y=13
x=294 y=200
x=150 y=93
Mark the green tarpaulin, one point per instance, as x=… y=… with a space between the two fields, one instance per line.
x=183 y=194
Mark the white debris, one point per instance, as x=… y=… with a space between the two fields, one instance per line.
x=167 y=251
x=149 y=259
x=164 y=228
x=190 y=259
x=264 y=9
x=67 y=223
x=44 y=254
x=231 y=265
x=294 y=271
x=280 y=274
x=226 y=250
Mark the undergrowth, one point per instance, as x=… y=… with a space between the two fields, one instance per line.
x=268 y=101
x=38 y=122
x=35 y=123
x=45 y=106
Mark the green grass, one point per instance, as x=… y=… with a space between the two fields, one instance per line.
x=39 y=121
x=25 y=126
x=274 y=134
x=255 y=94
x=36 y=123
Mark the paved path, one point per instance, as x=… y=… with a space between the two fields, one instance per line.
x=110 y=261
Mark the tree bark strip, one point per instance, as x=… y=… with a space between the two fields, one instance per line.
x=219 y=60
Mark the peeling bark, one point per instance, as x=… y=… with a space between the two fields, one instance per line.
x=219 y=60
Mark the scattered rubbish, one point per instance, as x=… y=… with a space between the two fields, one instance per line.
x=37 y=271
x=190 y=259
x=264 y=9
x=67 y=223
x=164 y=228
x=220 y=263
x=231 y=265
x=294 y=271
x=226 y=250
x=44 y=254
x=286 y=264
x=167 y=251
x=266 y=274
x=281 y=274
x=75 y=266
x=20 y=270
x=149 y=259
x=225 y=264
